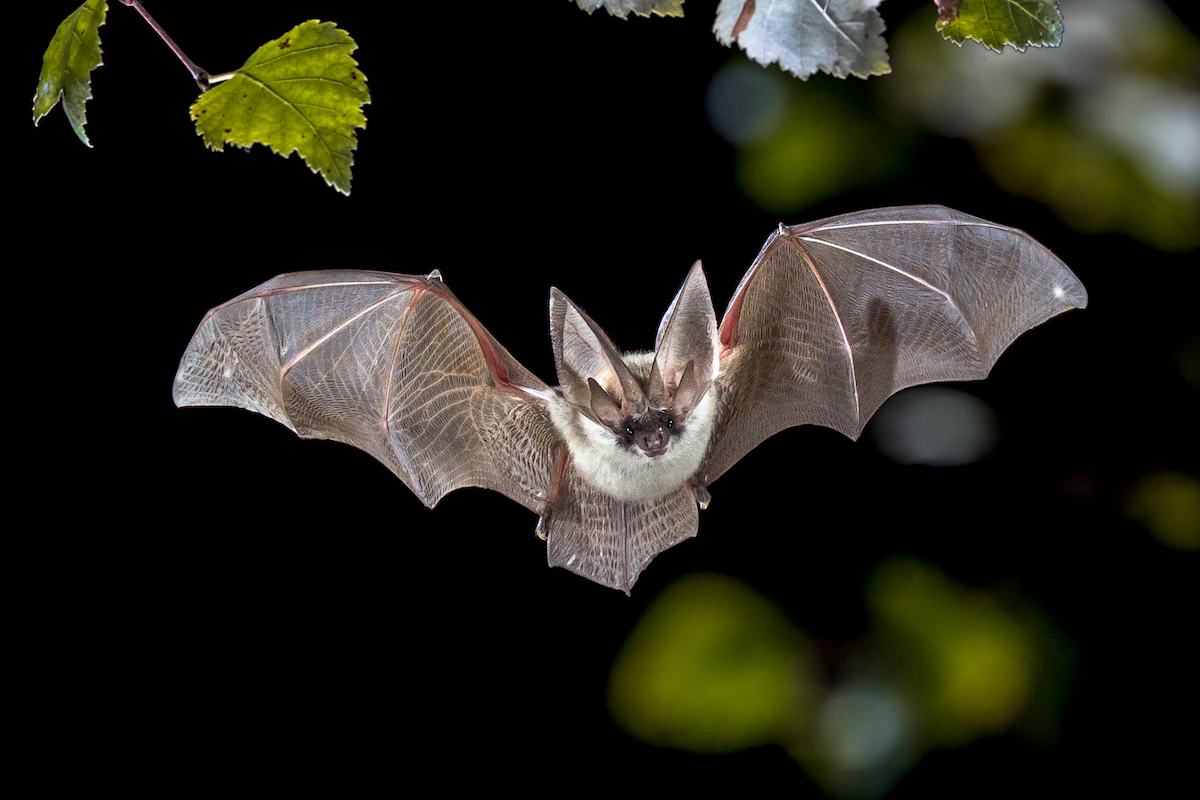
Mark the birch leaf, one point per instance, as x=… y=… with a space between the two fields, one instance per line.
x=995 y=23
x=643 y=8
x=838 y=37
x=67 y=66
x=299 y=93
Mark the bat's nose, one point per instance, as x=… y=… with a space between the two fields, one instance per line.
x=654 y=444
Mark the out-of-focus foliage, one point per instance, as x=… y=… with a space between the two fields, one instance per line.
x=299 y=93
x=972 y=661
x=67 y=66
x=714 y=666
x=1168 y=504
x=996 y=23
x=643 y=8
x=838 y=37
x=936 y=426
x=1105 y=130
x=797 y=144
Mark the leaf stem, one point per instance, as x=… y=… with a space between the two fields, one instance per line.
x=199 y=75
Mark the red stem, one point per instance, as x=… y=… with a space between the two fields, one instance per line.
x=200 y=76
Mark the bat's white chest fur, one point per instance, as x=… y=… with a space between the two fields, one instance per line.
x=628 y=474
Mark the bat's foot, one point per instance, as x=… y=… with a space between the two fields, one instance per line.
x=703 y=498
x=543 y=527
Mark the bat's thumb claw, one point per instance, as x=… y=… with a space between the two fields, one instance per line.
x=703 y=498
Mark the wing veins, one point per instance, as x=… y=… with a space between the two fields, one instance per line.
x=885 y=265
x=304 y=353
x=874 y=223
x=837 y=318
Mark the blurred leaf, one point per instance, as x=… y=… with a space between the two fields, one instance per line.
x=67 y=66
x=977 y=660
x=712 y=666
x=820 y=146
x=643 y=8
x=1168 y=503
x=1103 y=130
x=301 y=92
x=935 y=425
x=995 y=23
x=1089 y=184
x=838 y=37
x=745 y=103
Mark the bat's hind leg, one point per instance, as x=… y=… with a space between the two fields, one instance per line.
x=547 y=511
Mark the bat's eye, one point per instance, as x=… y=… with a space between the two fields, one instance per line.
x=629 y=430
x=670 y=423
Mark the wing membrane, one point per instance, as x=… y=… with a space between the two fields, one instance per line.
x=391 y=364
x=837 y=315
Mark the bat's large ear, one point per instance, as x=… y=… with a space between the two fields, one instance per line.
x=583 y=351
x=685 y=350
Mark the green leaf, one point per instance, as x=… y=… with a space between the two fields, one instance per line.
x=301 y=92
x=67 y=66
x=995 y=23
x=643 y=8
x=839 y=37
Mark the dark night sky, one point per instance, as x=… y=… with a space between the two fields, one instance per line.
x=225 y=600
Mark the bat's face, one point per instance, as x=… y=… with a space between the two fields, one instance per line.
x=648 y=433
x=638 y=456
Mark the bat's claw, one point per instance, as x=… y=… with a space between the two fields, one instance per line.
x=703 y=498
x=543 y=528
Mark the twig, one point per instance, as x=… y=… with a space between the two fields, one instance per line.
x=200 y=76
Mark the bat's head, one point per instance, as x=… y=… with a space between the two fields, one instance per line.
x=638 y=427
x=644 y=399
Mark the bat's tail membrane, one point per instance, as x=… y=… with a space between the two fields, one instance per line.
x=611 y=541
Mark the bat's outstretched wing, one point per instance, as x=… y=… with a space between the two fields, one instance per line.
x=391 y=364
x=835 y=316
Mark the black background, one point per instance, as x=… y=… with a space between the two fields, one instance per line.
x=207 y=599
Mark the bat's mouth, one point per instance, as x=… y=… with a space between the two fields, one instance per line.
x=655 y=453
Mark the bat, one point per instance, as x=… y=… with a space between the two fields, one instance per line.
x=831 y=319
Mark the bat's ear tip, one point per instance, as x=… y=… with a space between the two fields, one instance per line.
x=559 y=303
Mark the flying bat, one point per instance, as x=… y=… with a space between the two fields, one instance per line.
x=831 y=319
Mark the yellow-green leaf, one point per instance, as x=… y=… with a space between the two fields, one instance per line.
x=67 y=66
x=995 y=23
x=301 y=92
